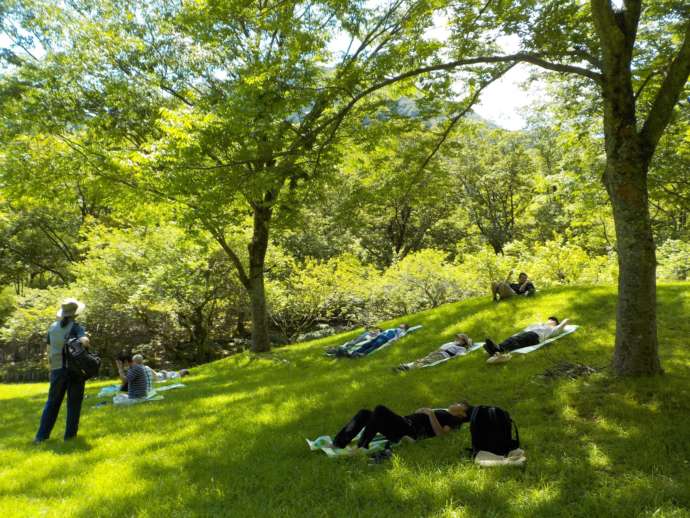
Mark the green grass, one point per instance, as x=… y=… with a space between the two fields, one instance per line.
x=232 y=442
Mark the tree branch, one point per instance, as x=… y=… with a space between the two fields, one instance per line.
x=667 y=96
x=460 y=115
x=607 y=28
x=535 y=59
x=645 y=82
x=234 y=258
x=29 y=259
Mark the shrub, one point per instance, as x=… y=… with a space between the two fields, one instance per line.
x=302 y=294
x=421 y=280
x=673 y=257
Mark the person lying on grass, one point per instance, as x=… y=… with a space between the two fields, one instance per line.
x=506 y=289
x=164 y=375
x=384 y=337
x=355 y=342
x=421 y=424
x=379 y=339
x=457 y=347
x=531 y=335
x=161 y=375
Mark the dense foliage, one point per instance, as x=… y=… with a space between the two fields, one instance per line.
x=193 y=172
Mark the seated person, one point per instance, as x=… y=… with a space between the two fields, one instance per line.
x=135 y=379
x=531 y=335
x=457 y=347
x=505 y=289
x=423 y=423
x=364 y=337
x=138 y=359
x=389 y=335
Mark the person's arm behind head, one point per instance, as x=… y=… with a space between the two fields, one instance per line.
x=438 y=429
x=559 y=328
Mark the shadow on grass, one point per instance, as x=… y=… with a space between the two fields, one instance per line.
x=233 y=441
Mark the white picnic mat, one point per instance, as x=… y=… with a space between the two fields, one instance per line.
x=444 y=360
x=569 y=329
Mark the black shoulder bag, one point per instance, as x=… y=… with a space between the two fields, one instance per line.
x=78 y=359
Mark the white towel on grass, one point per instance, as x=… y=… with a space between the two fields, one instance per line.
x=487 y=459
x=566 y=331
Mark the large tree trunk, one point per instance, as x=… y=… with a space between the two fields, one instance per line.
x=636 y=351
x=637 y=348
x=257 y=294
x=628 y=154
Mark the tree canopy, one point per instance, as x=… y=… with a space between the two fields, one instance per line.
x=246 y=149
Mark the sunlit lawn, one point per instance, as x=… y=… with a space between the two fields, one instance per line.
x=232 y=442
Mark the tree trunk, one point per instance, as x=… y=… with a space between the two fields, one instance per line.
x=636 y=351
x=627 y=162
x=628 y=154
x=257 y=294
x=240 y=330
x=200 y=335
x=497 y=245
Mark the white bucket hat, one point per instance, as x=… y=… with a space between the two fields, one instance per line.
x=70 y=308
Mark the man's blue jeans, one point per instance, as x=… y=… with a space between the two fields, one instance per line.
x=61 y=382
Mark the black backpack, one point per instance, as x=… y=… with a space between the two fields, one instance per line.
x=79 y=360
x=491 y=428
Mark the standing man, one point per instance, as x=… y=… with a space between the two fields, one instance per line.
x=61 y=380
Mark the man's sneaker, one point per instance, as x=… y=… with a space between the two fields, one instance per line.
x=490 y=347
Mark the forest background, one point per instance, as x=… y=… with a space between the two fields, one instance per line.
x=146 y=151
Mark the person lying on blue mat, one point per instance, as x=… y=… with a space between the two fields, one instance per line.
x=531 y=335
x=355 y=342
x=367 y=347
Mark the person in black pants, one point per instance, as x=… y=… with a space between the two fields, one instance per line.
x=423 y=423
x=531 y=335
x=506 y=289
x=61 y=380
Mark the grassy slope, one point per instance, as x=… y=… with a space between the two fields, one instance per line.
x=232 y=442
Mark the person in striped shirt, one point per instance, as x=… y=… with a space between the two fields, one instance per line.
x=150 y=374
x=135 y=379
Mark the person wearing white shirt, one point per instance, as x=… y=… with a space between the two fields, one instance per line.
x=531 y=335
